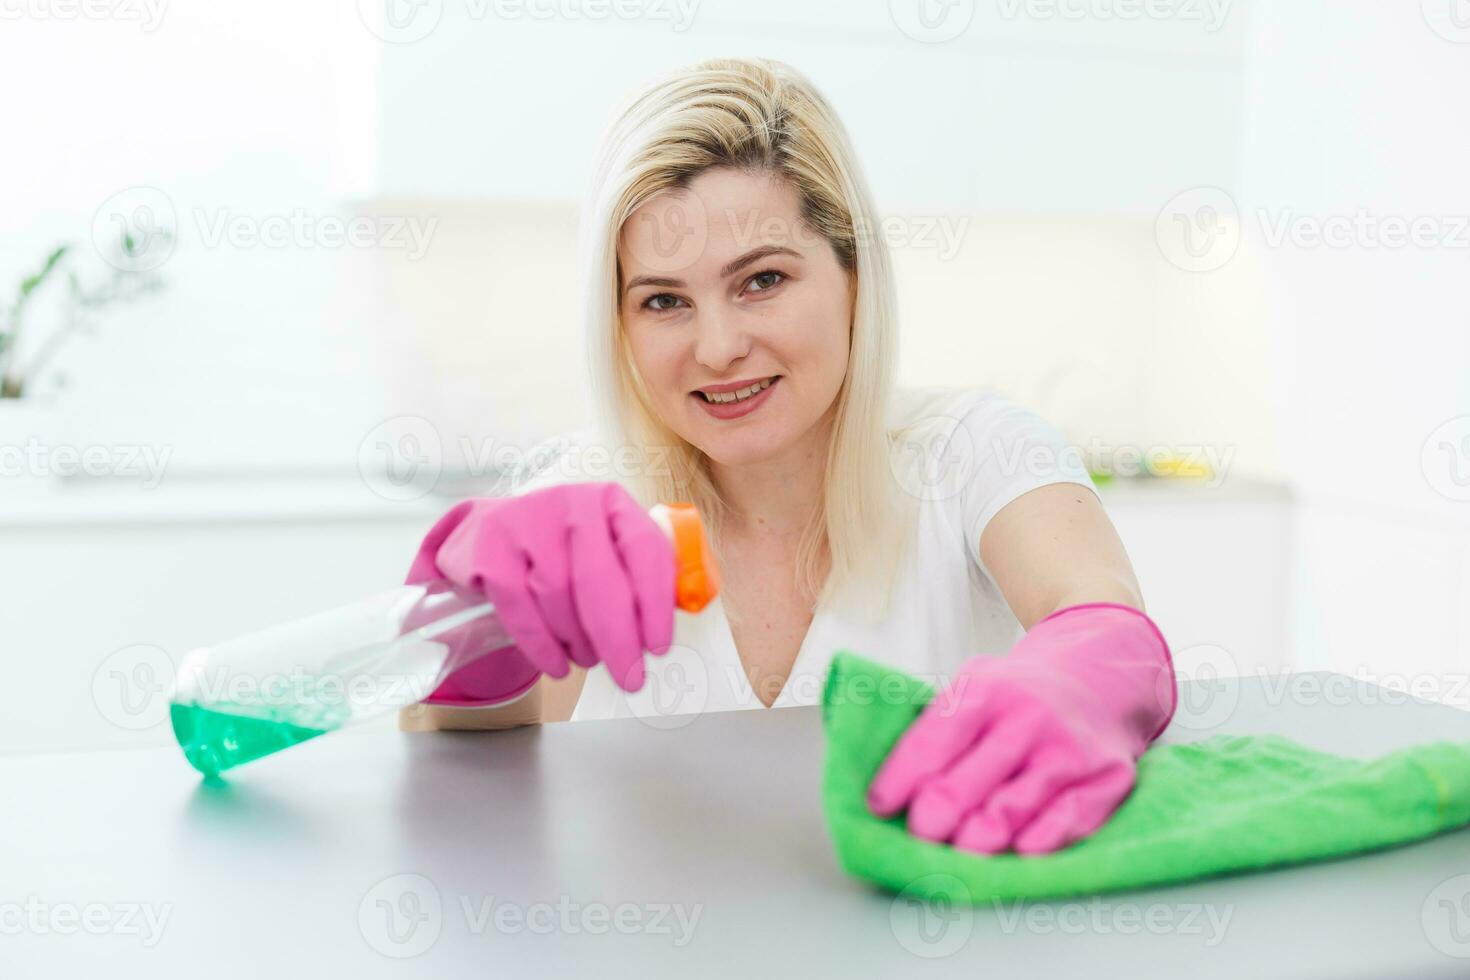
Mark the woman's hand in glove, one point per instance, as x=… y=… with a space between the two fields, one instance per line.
x=1035 y=750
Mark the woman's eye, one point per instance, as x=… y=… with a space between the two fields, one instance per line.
x=767 y=280
x=657 y=302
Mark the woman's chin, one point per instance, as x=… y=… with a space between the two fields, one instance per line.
x=742 y=449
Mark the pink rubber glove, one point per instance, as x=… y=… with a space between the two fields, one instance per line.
x=1034 y=750
x=578 y=574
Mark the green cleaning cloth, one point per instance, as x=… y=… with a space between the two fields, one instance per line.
x=1229 y=803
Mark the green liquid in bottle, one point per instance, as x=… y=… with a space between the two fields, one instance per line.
x=214 y=741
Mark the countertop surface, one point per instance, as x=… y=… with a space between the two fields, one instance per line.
x=694 y=847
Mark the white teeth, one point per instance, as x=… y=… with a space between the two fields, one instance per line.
x=740 y=394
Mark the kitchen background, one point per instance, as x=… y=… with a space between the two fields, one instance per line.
x=316 y=244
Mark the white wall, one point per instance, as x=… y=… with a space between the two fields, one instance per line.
x=1058 y=138
x=225 y=113
x=1361 y=107
x=1016 y=113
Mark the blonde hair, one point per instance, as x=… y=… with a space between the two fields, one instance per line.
x=758 y=116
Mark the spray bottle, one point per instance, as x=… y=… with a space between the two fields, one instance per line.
x=253 y=696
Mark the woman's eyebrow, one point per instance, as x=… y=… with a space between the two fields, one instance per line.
x=755 y=255
x=735 y=265
x=637 y=281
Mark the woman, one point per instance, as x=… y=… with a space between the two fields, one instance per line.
x=742 y=334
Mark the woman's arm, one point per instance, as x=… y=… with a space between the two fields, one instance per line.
x=1054 y=547
x=550 y=700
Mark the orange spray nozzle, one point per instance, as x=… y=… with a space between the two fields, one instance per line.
x=696 y=578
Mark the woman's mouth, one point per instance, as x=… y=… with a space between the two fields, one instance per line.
x=737 y=399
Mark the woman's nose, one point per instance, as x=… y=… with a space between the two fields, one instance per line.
x=720 y=339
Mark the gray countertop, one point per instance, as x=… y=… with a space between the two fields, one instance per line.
x=623 y=849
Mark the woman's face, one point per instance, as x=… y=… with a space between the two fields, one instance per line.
x=737 y=314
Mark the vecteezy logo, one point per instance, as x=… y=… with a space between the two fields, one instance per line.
x=675 y=690
x=1445 y=917
x=401 y=459
x=933 y=916
x=1450 y=19
x=1199 y=230
x=401 y=916
x=135 y=229
x=400 y=21
x=669 y=236
x=132 y=686
x=1445 y=458
x=933 y=458
x=1206 y=684
x=932 y=21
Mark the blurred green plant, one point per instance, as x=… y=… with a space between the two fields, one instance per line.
x=84 y=299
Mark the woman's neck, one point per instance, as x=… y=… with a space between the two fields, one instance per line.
x=776 y=496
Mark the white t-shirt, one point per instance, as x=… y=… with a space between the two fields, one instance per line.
x=960 y=457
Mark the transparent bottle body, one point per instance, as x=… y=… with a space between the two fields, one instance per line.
x=245 y=698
